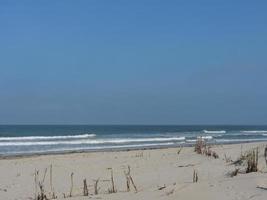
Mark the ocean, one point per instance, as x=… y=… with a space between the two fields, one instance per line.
x=43 y=139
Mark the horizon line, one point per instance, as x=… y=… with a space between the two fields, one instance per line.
x=83 y=124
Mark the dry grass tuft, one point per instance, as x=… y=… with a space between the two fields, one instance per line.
x=200 y=145
x=252 y=161
x=227 y=159
x=233 y=173
x=249 y=159
x=201 y=148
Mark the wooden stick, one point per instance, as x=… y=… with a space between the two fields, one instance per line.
x=85 y=188
x=51 y=186
x=95 y=186
x=44 y=175
x=112 y=182
x=35 y=184
x=127 y=182
x=71 y=186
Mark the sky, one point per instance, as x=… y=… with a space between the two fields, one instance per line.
x=133 y=62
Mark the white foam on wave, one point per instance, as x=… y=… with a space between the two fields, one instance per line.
x=207 y=137
x=214 y=132
x=240 y=140
x=191 y=141
x=47 y=137
x=93 y=148
x=98 y=141
x=255 y=131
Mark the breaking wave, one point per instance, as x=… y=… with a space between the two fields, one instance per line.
x=47 y=137
x=96 y=141
x=214 y=132
x=208 y=137
x=255 y=131
x=133 y=146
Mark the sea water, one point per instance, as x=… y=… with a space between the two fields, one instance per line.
x=33 y=139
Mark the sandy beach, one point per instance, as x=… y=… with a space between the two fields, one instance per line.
x=157 y=174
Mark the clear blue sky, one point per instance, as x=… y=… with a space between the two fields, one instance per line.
x=133 y=62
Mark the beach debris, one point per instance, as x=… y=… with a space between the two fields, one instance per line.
x=188 y=165
x=161 y=187
x=112 y=189
x=195 y=177
x=4 y=190
x=129 y=180
x=71 y=184
x=85 y=188
x=96 y=188
x=261 y=187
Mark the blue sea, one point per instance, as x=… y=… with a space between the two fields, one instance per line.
x=40 y=139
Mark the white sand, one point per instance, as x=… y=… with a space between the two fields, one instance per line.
x=150 y=169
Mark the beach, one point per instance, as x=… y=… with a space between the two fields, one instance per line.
x=165 y=173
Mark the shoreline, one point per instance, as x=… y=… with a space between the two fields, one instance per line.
x=105 y=150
